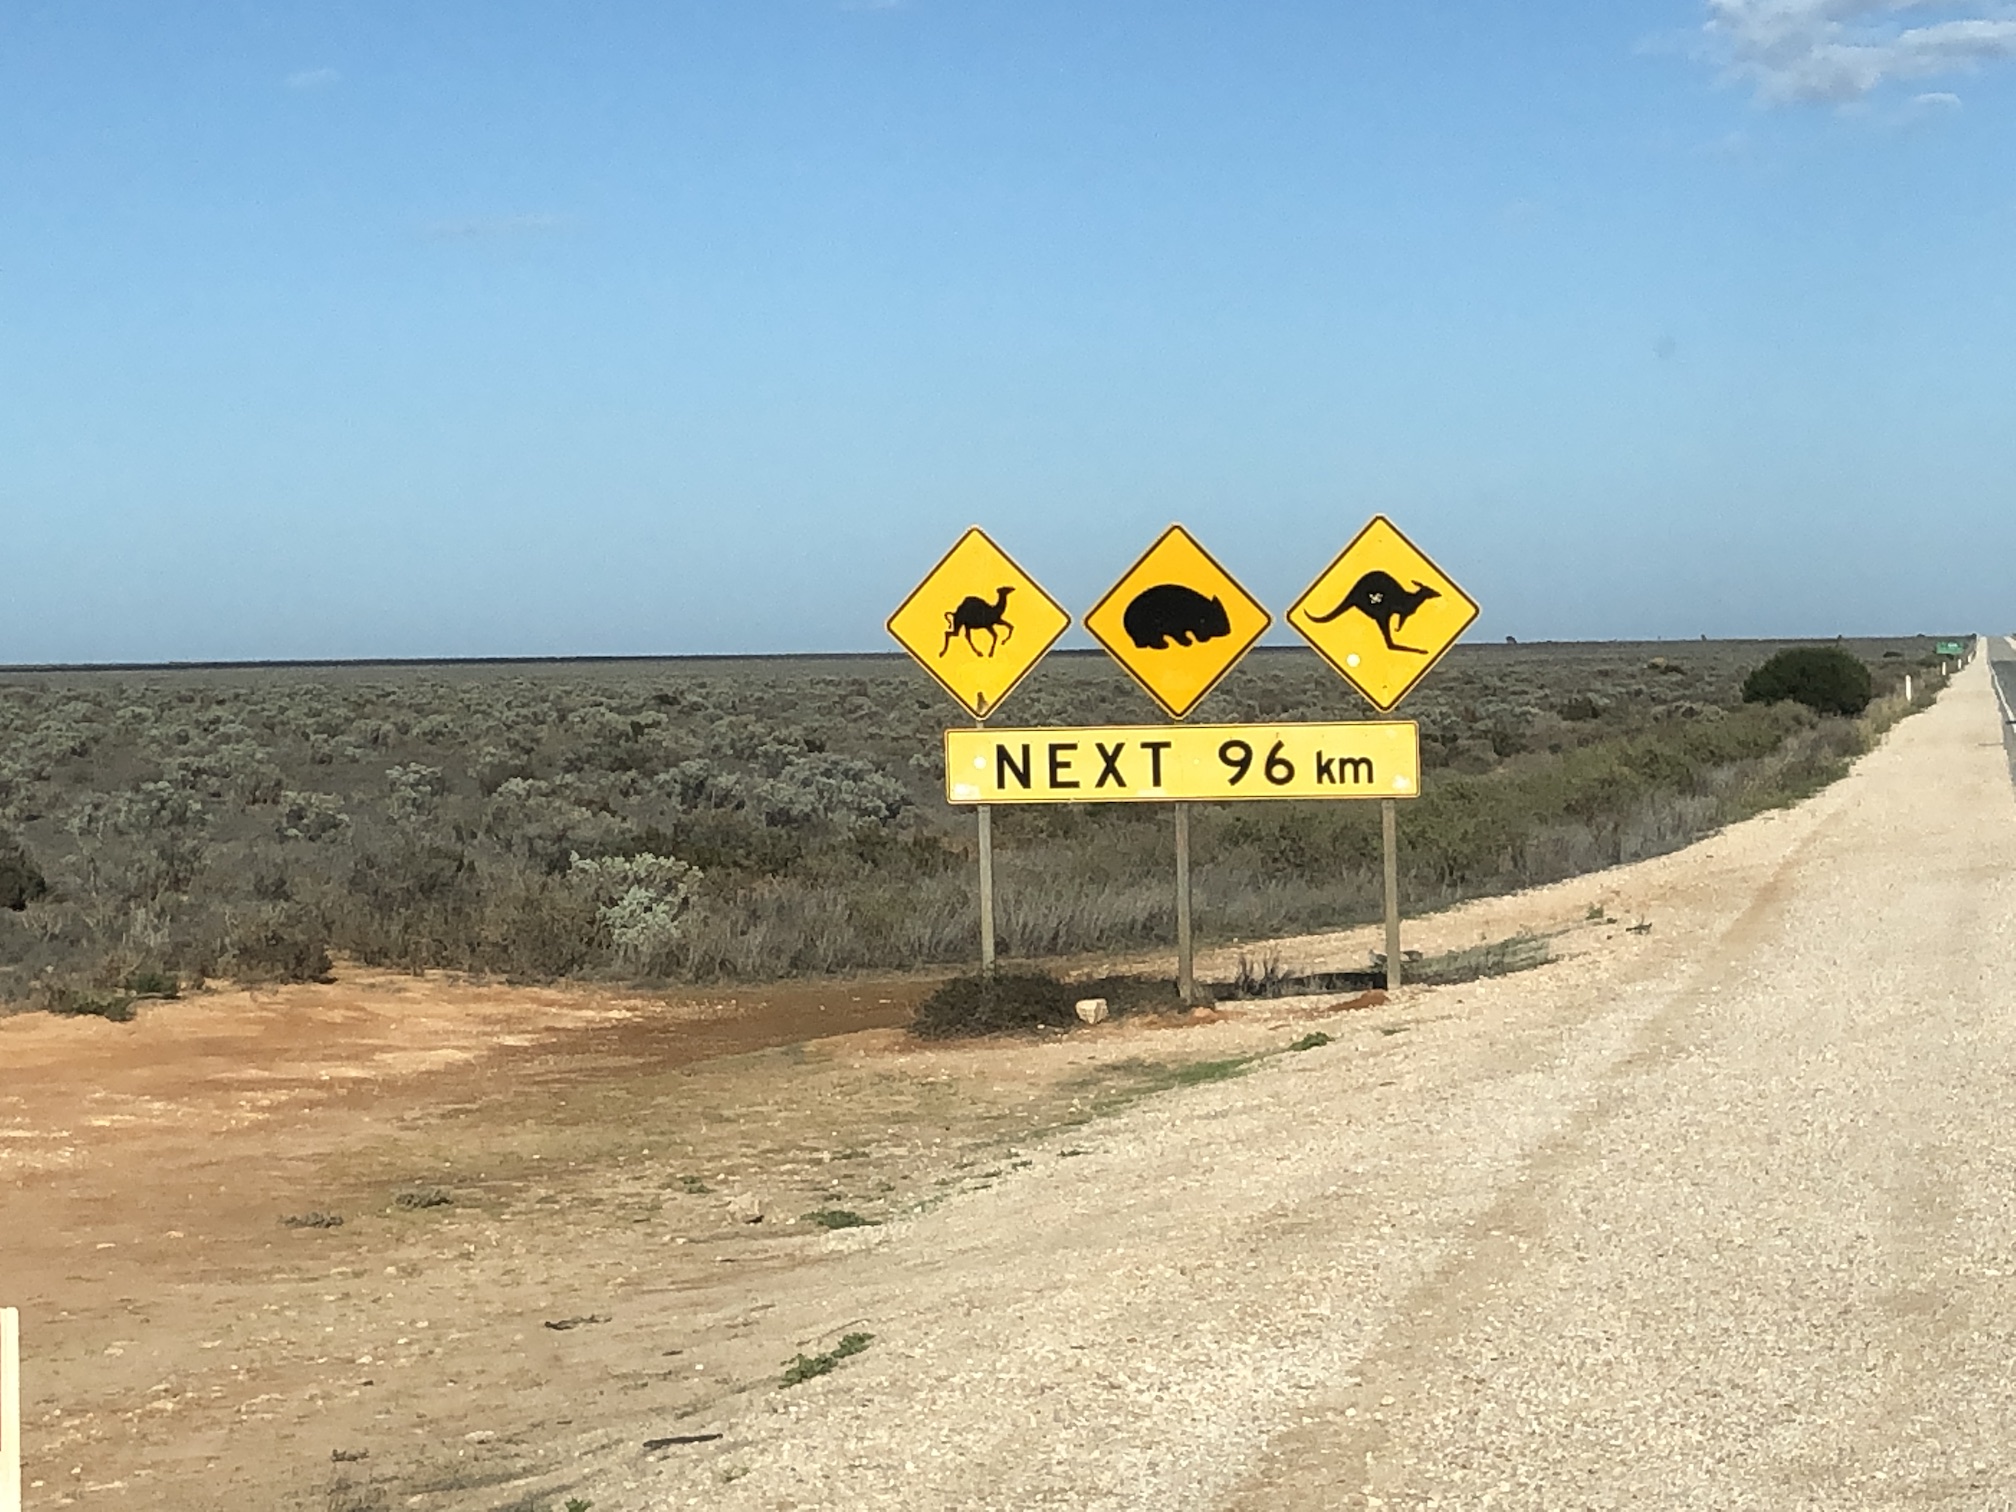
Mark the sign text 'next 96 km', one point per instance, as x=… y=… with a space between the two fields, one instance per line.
x=1186 y=763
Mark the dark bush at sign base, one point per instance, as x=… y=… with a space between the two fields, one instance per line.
x=1825 y=679
x=1005 y=1003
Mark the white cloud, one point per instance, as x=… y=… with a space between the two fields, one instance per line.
x=313 y=78
x=1840 y=51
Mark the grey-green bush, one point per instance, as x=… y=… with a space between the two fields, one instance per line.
x=1826 y=679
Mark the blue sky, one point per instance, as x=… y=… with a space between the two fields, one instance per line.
x=355 y=329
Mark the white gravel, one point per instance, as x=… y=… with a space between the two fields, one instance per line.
x=1718 y=1216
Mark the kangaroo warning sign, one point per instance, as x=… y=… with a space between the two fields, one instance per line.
x=1172 y=763
x=978 y=623
x=1382 y=614
x=1177 y=621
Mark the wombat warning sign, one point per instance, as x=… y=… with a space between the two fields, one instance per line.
x=1177 y=621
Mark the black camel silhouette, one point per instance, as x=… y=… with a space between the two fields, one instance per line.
x=1380 y=598
x=977 y=614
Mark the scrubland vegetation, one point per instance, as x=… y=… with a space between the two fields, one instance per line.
x=752 y=819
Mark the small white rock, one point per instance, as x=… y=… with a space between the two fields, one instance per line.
x=746 y=1207
x=1092 y=1010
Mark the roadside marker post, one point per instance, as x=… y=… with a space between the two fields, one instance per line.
x=10 y=1409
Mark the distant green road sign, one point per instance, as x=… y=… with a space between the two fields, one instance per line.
x=1949 y=648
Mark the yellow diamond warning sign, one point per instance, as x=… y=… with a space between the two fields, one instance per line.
x=978 y=623
x=1382 y=614
x=1177 y=621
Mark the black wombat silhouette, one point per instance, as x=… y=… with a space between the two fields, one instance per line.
x=977 y=614
x=1380 y=598
x=1171 y=611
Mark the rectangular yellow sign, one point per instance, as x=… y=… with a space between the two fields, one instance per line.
x=1192 y=763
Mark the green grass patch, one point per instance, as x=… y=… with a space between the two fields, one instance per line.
x=838 y=1218
x=1197 y=1073
x=804 y=1367
x=1110 y=1088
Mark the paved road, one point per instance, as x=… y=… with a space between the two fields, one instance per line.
x=1722 y=1215
x=2001 y=658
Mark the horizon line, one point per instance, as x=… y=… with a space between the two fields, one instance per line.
x=333 y=663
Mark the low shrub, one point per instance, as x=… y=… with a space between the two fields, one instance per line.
x=1004 y=1003
x=1826 y=679
x=72 y=1002
x=21 y=880
x=146 y=983
x=285 y=945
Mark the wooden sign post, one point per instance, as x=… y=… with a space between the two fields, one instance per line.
x=10 y=1410
x=977 y=624
x=1382 y=614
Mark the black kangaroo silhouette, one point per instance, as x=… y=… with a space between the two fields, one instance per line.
x=976 y=613
x=1380 y=598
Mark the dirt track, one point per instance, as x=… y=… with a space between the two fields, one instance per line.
x=1712 y=1215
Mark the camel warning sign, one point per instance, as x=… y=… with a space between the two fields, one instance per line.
x=978 y=623
x=1184 y=763
x=1382 y=614
x=1177 y=621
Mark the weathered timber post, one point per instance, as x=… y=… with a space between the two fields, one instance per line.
x=986 y=889
x=1389 y=828
x=10 y=1410
x=986 y=823
x=1186 y=975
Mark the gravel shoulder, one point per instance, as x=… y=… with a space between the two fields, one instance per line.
x=1716 y=1215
